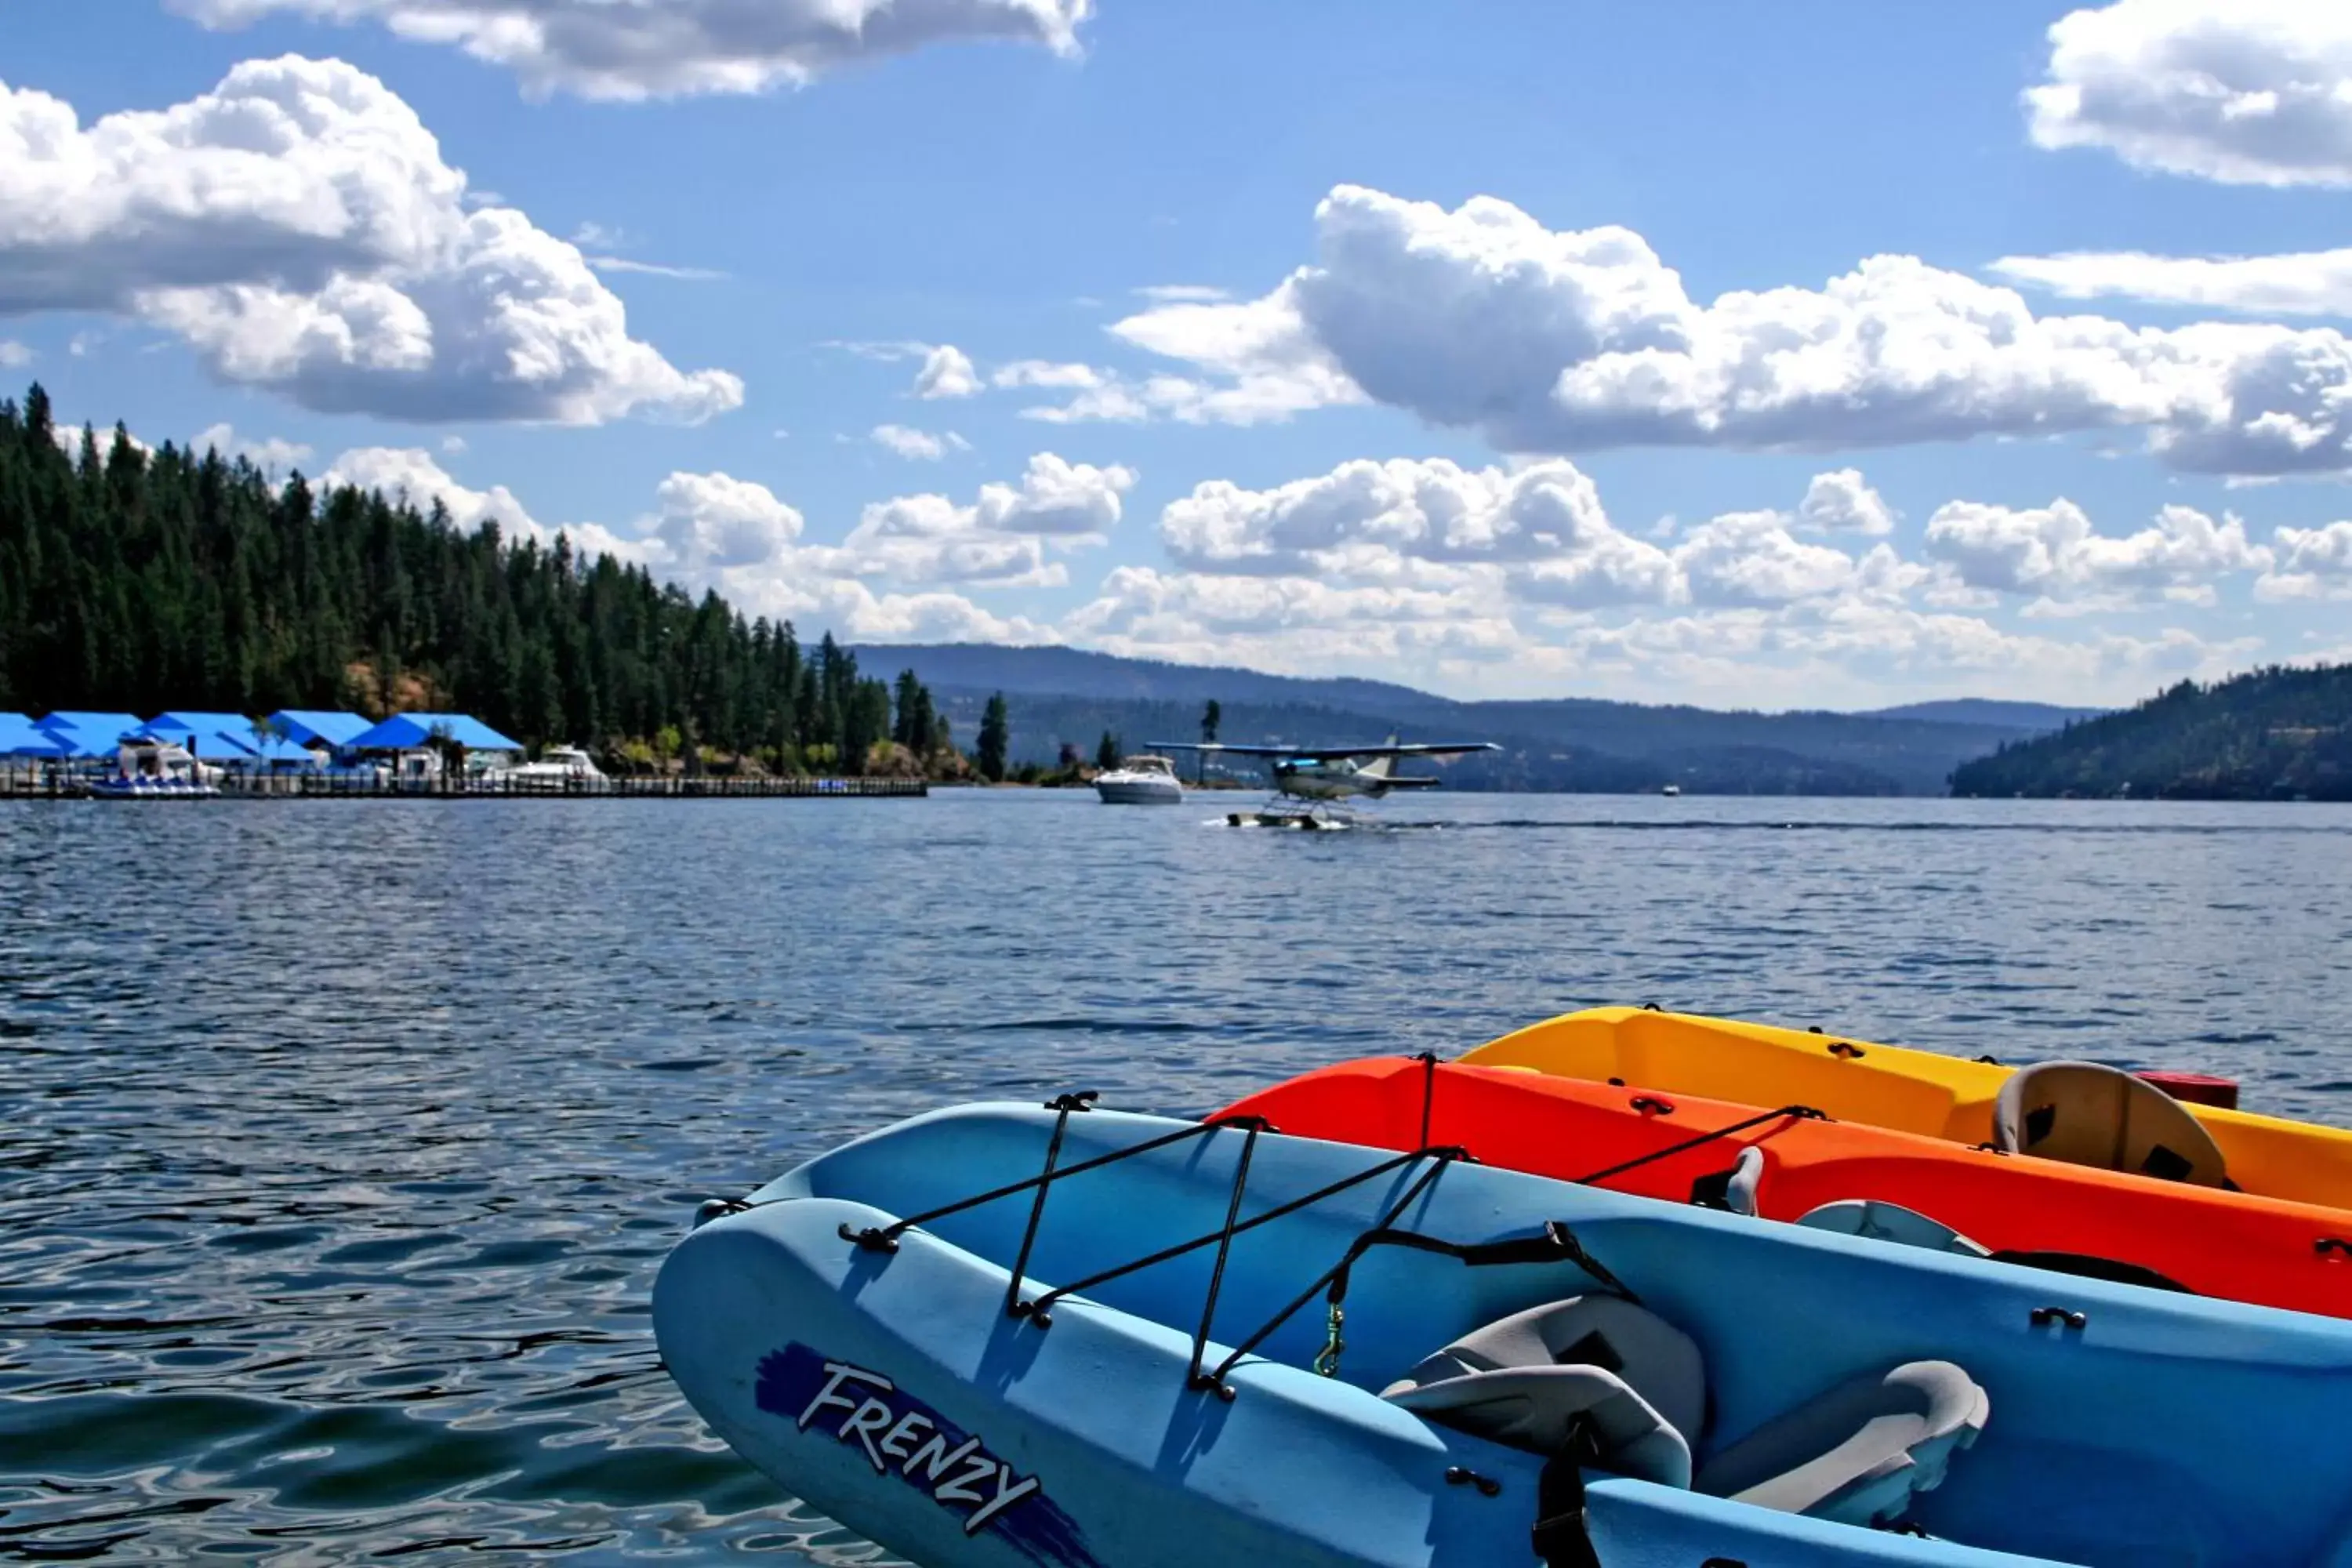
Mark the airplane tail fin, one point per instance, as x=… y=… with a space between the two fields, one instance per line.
x=1380 y=767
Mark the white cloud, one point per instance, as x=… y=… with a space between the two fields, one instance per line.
x=2252 y=92
x=1048 y=373
x=999 y=539
x=1840 y=501
x=653 y=270
x=2312 y=563
x=917 y=446
x=947 y=372
x=297 y=227
x=2055 y=552
x=1181 y=293
x=14 y=355
x=2309 y=283
x=708 y=522
x=1568 y=342
x=410 y=474
x=630 y=49
x=273 y=453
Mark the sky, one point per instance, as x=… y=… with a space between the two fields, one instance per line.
x=1819 y=354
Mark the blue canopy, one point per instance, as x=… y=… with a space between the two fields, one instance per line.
x=319 y=726
x=20 y=737
x=277 y=752
x=88 y=734
x=407 y=731
x=235 y=728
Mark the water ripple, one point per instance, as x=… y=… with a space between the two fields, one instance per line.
x=340 y=1142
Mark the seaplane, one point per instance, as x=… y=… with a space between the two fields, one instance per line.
x=1313 y=785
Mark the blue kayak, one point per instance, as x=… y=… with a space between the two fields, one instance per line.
x=1216 y=1345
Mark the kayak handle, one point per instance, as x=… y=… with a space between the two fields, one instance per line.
x=2335 y=1243
x=1851 y=1053
x=1462 y=1475
x=2070 y=1319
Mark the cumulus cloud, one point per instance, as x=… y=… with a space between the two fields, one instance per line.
x=1481 y=318
x=917 y=446
x=410 y=474
x=2055 y=552
x=947 y=372
x=630 y=49
x=297 y=227
x=2254 y=92
x=272 y=453
x=14 y=355
x=1842 y=501
x=2311 y=563
x=1000 y=539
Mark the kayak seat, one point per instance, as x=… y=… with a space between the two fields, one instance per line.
x=1891 y=1222
x=1602 y=1370
x=1857 y=1453
x=1593 y=1365
x=2086 y=1113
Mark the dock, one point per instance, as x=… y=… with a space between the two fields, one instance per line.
x=333 y=786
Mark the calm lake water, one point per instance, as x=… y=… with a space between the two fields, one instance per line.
x=340 y=1142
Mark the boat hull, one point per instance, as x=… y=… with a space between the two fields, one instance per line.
x=1883 y=1085
x=1140 y=793
x=2084 y=1458
x=1631 y=1137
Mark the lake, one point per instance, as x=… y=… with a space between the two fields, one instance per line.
x=340 y=1142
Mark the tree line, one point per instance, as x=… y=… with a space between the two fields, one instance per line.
x=145 y=581
x=2271 y=733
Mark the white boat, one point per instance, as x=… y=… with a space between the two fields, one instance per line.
x=558 y=767
x=147 y=767
x=1672 y=789
x=1142 y=781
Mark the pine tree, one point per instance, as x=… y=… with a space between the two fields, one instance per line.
x=995 y=733
x=1107 y=751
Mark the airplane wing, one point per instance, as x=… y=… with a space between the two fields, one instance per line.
x=1328 y=754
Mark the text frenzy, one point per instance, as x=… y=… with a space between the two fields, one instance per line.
x=913 y=1443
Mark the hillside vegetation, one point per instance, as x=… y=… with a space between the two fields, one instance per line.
x=1063 y=696
x=147 y=581
x=2275 y=733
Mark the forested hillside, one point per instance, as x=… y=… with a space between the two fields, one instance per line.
x=2271 y=734
x=145 y=582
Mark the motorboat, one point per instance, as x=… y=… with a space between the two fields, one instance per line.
x=556 y=769
x=1001 y=1333
x=1140 y=781
x=148 y=767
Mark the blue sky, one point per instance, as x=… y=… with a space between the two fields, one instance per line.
x=1796 y=355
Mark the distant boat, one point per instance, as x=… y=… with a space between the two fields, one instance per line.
x=1142 y=781
x=558 y=767
x=148 y=767
x=1672 y=789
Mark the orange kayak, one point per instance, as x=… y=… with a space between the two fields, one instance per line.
x=1807 y=1168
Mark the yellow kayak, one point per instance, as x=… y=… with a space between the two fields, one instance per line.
x=1909 y=1091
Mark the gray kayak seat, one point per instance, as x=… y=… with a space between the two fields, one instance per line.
x=1634 y=1379
x=1746 y=1177
x=1636 y=1385
x=2086 y=1113
x=1857 y=1453
x=1891 y=1222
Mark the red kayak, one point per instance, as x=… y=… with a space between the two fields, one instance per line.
x=1836 y=1174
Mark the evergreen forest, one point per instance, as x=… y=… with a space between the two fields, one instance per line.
x=145 y=581
x=2269 y=734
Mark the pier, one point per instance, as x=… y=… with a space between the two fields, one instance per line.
x=317 y=786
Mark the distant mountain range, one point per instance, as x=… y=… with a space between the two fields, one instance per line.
x=1061 y=696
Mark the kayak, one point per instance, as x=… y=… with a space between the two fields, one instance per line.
x=1827 y=1174
x=1887 y=1086
x=1207 y=1342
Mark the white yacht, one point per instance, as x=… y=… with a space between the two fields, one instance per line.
x=558 y=764
x=1142 y=781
